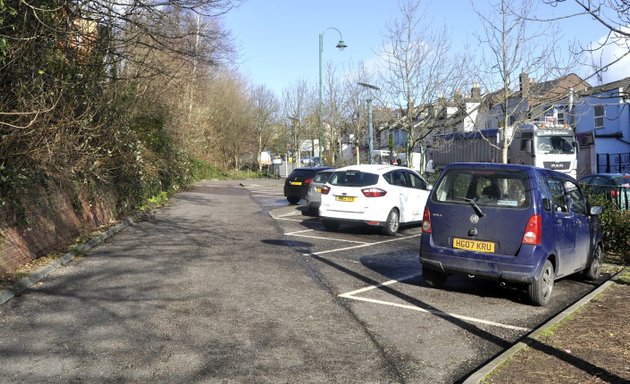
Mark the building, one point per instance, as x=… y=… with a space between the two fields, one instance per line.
x=602 y=126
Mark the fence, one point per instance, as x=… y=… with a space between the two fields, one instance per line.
x=613 y=163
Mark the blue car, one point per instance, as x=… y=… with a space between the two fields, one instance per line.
x=509 y=223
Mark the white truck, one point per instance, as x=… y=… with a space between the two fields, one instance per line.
x=542 y=144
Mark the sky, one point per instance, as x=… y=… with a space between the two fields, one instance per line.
x=278 y=40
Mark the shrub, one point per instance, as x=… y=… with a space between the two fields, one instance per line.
x=615 y=228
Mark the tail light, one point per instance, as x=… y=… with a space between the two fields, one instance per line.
x=614 y=193
x=533 y=231
x=325 y=189
x=308 y=181
x=426 y=221
x=373 y=192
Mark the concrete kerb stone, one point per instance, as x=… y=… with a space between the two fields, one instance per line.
x=479 y=375
x=36 y=276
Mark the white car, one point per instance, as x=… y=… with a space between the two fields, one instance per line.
x=379 y=195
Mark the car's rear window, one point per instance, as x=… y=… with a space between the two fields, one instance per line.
x=322 y=177
x=352 y=178
x=302 y=173
x=484 y=187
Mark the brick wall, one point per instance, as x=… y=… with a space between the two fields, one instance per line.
x=49 y=220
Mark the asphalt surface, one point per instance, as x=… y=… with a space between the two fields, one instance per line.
x=230 y=284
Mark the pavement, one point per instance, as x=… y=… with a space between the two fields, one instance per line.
x=484 y=371
x=475 y=377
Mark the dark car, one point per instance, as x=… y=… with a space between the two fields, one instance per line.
x=510 y=223
x=298 y=182
x=613 y=186
x=313 y=198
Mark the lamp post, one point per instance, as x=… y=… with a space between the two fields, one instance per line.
x=294 y=121
x=341 y=45
x=370 y=127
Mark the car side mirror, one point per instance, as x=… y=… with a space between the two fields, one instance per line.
x=596 y=210
x=546 y=204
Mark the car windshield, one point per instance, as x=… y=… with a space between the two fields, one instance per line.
x=484 y=187
x=556 y=144
x=353 y=178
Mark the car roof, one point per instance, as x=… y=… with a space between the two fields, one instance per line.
x=608 y=175
x=372 y=168
x=313 y=168
x=512 y=167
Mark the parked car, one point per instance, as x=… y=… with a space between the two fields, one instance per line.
x=510 y=223
x=297 y=184
x=378 y=195
x=313 y=198
x=614 y=186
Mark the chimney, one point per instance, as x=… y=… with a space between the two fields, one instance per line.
x=524 y=83
x=441 y=101
x=457 y=97
x=475 y=92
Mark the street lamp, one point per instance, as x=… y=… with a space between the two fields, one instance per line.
x=341 y=45
x=370 y=128
x=294 y=121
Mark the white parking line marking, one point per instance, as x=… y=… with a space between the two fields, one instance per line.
x=390 y=282
x=358 y=246
x=296 y=232
x=292 y=213
x=324 y=238
x=351 y=295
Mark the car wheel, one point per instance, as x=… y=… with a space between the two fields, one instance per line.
x=594 y=268
x=330 y=225
x=392 y=223
x=433 y=278
x=540 y=290
x=293 y=199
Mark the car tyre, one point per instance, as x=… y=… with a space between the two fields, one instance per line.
x=330 y=225
x=540 y=290
x=293 y=199
x=593 y=270
x=433 y=278
x=392 y=223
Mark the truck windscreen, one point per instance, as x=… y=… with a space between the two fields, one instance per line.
x=556 y=144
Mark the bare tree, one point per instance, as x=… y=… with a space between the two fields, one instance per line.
x=265 y=110
x=296 y=108
x=514 y=50
x=614 y=16
x=355 y=108
x=418 y=69
x=91 y=66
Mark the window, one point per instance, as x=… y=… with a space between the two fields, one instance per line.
x=353 y=178
x=575 y=197
x=561 y=116
x=598 y=112
x=557 y=195
x=416 y=182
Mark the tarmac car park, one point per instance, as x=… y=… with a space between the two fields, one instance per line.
x=432 y=335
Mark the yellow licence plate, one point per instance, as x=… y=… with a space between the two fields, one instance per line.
x=473 y=245
x=345 y=198
x=296 y=183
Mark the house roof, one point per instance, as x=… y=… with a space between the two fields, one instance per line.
x=623 y=83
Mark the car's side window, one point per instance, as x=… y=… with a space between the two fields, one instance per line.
x=575 y=197
x=557 y=195
x=416 y=182
x=388 y=177
x=398 y=178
